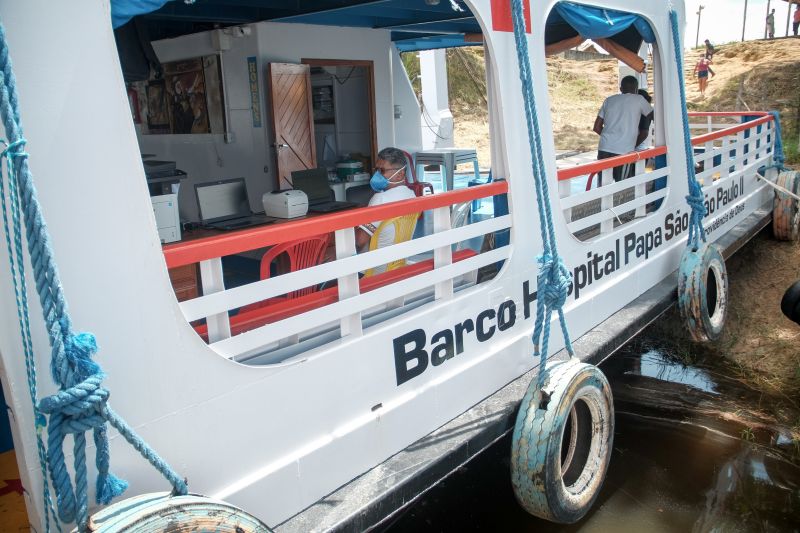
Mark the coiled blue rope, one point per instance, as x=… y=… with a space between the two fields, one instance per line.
x=81 y=403
x=554 y=279
x=695 y=198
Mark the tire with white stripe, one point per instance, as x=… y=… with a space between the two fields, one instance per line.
x=703 y=292
x=166 y=513
x=562 y=442
x=785 y=209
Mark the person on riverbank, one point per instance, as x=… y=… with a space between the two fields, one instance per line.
x=771 y=24
x=701 y=71
x=709 y=50
x=796 y=20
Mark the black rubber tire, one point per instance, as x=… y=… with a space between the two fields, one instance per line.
x=790 y=303
x=562 y=442
x=785 y=209
x=703 y=292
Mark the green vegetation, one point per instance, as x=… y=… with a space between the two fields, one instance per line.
x=466 y=78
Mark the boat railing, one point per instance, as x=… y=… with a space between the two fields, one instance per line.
x=594 y=204
x=349 y=297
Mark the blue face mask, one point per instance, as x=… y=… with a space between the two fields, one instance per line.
x=378 y=182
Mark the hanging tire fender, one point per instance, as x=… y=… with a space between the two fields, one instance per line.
x=562 y=442
x=167 y=513
x=703 y=292
x=785 y=209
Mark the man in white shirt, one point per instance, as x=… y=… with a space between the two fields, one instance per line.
x=617 y=123
x=389 y=184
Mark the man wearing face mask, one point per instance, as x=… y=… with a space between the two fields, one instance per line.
x=389 y=184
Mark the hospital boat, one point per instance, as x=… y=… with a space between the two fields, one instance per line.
x=334 y=408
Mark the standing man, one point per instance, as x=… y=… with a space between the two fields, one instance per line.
x=617 y=122
x=796 y=20
x=771 y=24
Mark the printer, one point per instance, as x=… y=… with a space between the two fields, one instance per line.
x=165 y=208
x=286 y=203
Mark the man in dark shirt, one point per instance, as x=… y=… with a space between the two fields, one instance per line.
x=709 y=50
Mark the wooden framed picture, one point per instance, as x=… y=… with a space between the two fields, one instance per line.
x=157 y=107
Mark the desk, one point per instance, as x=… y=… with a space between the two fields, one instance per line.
x=447 y=159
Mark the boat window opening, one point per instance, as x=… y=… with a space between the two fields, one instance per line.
x=264 y=294
x=603 y=190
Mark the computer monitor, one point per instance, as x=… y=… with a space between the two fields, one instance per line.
x=313 y=182
x=222 y=200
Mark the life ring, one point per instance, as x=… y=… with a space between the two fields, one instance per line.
x=703 y=292
x=166 y=513
x=562 y=442
x=790 y=303
x=785 y=209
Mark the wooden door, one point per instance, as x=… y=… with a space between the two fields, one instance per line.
x=292 y=119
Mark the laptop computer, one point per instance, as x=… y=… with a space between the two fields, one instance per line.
x=314 y=183
x=224 y=205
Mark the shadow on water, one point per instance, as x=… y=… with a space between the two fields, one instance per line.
x=692 y=452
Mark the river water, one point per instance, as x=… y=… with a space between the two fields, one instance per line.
x=691 y=454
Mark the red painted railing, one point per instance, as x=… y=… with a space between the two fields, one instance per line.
x=728 y=114
x=598 y=166
x=602 y=164
x=189 y=252
x=736 y=128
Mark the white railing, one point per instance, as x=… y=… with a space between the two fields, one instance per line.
x=726 y=150
x=344 y=305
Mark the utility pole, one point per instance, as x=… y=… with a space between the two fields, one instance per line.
x=697 y=37
x=765 y=24
x=744 y=22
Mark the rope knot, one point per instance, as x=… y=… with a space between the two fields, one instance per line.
x=697 y=203
x=554 y=281
x=78 y=408
x=14 y=149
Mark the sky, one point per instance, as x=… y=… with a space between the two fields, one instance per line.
x=721 y=20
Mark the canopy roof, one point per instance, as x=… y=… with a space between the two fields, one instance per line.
x=414 y=24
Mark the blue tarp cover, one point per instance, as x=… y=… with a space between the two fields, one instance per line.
x=598 y=23
x=124 y=10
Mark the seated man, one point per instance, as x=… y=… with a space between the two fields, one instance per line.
x=389 y=184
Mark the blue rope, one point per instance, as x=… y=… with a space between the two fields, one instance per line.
x=81 y=403
x=554 y=279
x=778 y=157
x=695 y=197
x=15 y=258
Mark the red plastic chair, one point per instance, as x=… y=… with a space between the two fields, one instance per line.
x=420 y=188
x=302 y=253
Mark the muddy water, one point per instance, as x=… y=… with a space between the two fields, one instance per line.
x=689 y=455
